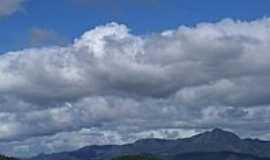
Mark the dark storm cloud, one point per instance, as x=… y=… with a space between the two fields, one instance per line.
x=122 y=87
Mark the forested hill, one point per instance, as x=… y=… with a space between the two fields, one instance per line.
x=6 y=158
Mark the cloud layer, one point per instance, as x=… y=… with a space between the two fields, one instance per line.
x=40 y=37
x=111 y=86
x=8 y=7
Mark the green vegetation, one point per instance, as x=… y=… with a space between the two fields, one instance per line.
x=6 y=158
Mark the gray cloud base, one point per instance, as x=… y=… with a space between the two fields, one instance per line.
x=111 y=86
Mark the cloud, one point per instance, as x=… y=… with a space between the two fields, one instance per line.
x=67 y=141
x=123 y=87
x=8 y=7
x=40 y=37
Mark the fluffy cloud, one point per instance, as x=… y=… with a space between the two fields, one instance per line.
x=8 y=7
x=121 y=87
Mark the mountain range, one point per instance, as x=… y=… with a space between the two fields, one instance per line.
x=211 y=144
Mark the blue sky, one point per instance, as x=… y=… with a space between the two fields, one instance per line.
x=70 y=18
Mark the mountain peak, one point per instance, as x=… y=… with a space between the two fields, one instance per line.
x=217 y=135
x=221 y=132
x=218 y=130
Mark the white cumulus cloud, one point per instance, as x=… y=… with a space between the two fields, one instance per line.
x=113 y=84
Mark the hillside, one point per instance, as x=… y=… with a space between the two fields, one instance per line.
x=136 y=157
x=195 y=156
x=6 y=158
x=216 y=141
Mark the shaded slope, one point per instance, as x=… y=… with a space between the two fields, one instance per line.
x=216 y=140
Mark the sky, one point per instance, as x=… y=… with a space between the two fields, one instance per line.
x=81 y=72
x=28 y=23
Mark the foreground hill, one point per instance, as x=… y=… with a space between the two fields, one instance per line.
x=196 y=156
x=6 y=158
x=216 y=156
x=136 y=157
x=216 y=140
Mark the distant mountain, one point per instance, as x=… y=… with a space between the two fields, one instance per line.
x=216 y=140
